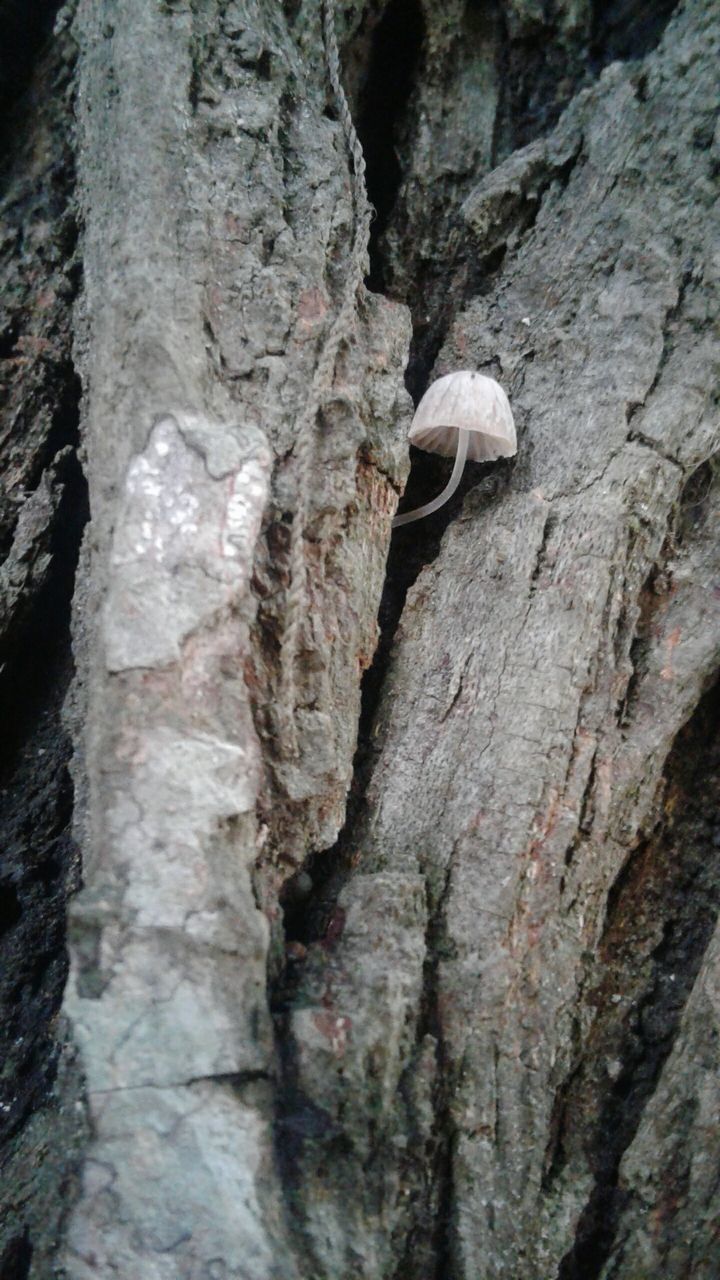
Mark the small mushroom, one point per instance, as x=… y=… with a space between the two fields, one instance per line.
x=462 y=415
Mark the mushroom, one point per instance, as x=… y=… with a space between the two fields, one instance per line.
x=462 y=415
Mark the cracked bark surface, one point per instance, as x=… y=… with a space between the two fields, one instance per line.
x=439 y=996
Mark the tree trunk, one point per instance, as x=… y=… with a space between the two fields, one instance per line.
x=405 y=965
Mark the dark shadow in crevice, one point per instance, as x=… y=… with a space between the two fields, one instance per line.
x=394 y=55
x=624 y=30
x=25 y=28
x=28 y=657
x=36 y=799
x=64 y=387
x=9 y=336
x=17 y=1258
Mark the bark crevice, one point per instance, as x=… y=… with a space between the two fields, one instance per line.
x=660 y=916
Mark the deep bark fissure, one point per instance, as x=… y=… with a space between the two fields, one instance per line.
x=689 y=513
x=626 y=29
x=17 y=1257
x=42 y=517
x=661 y=913
x=392 y=66
x=36 y=798
x=309 y=898
x=430 y=1024
x=297 y=1122
x=24 y=30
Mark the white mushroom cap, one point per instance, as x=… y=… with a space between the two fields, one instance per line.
x=470 y=401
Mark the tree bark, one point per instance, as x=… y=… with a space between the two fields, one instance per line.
x=437 y=995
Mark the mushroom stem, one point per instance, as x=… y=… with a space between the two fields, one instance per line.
x=408 y=516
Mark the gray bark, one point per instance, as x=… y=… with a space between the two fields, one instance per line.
x=439 y=996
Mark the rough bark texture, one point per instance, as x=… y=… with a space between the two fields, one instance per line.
x=42 y=509
x=440 y=996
